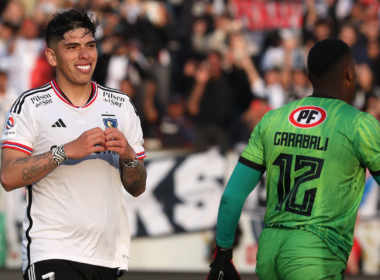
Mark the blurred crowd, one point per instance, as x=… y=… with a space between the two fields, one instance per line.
x=200 y=72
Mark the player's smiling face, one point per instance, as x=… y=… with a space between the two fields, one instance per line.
x=76 y=56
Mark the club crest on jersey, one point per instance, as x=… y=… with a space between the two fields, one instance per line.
x=11 y=122
x=108 y=122
x=307 y=116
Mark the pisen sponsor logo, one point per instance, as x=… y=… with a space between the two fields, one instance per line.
x=40 y=100
x=307 y=116
x=113 y=99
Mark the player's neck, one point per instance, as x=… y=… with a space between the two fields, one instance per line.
x=330 y=91
x=77 y=94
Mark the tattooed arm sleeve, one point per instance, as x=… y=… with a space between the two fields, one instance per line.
x=18 y=170
x=133 y=179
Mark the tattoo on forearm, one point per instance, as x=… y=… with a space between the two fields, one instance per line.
x=35 y=170
x=41 y=156
x=21 y=160
x=35 y=158
x=38 y=166
x=134 y=179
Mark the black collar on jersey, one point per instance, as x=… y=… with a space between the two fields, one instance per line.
x=322 y=96
x=63 y=97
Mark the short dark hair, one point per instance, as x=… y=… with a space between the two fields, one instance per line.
x=67 y=21
x=325 y=55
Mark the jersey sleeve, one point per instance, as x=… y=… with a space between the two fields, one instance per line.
x=133 y=132
x=253 y=154
x=18 y=132
x=367 y=143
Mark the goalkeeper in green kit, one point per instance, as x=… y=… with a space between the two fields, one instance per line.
x=315 y=152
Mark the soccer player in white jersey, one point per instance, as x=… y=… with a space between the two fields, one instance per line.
x=74 y=144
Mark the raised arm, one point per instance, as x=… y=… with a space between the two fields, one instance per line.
x=250 y=68
x=202 y=76
x=289 y=46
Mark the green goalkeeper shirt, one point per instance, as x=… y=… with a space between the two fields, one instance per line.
x=315 y=151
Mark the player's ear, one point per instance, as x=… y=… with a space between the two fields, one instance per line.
x=50 y=56
x=348 y=74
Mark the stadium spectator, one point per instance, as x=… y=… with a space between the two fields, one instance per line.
x=176 y=130
x=349 y=35
x=365 y=86
x=322 y=30
x=8 y=96
x=13 y=13
x=14 y=215
x=269 y=87
x=127 y=87
x=26 y=52
x=373 y=52
x=151 y=110
x=6 y=42
x=210 y=103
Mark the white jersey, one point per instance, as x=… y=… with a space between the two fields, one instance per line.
x=77 y=212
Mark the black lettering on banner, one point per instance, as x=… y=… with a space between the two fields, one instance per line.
x=299 y=140
x=305 y=143
x=313 y=142
x=284 y=161
x=327 y=142
x=292 y=136
x=277 y=140
x=284 y=139
x=303 y=115
x=311 y=116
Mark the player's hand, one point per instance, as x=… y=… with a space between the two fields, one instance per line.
x=91 y=141
x=222 y=268
x=116 y=142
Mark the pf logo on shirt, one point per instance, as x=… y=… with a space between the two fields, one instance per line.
x=307 y=116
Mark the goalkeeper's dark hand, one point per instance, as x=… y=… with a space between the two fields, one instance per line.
x=222 y=268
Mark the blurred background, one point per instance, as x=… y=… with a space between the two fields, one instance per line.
x=201 y=74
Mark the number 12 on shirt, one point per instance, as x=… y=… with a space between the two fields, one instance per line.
x=286 y=193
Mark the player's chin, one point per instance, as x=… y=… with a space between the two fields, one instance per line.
x=82 y=79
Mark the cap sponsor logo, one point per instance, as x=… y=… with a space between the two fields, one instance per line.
x=307 y=116
x=10 y=123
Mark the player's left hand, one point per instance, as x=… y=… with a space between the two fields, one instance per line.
x=222 y=268
x=116 y=142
